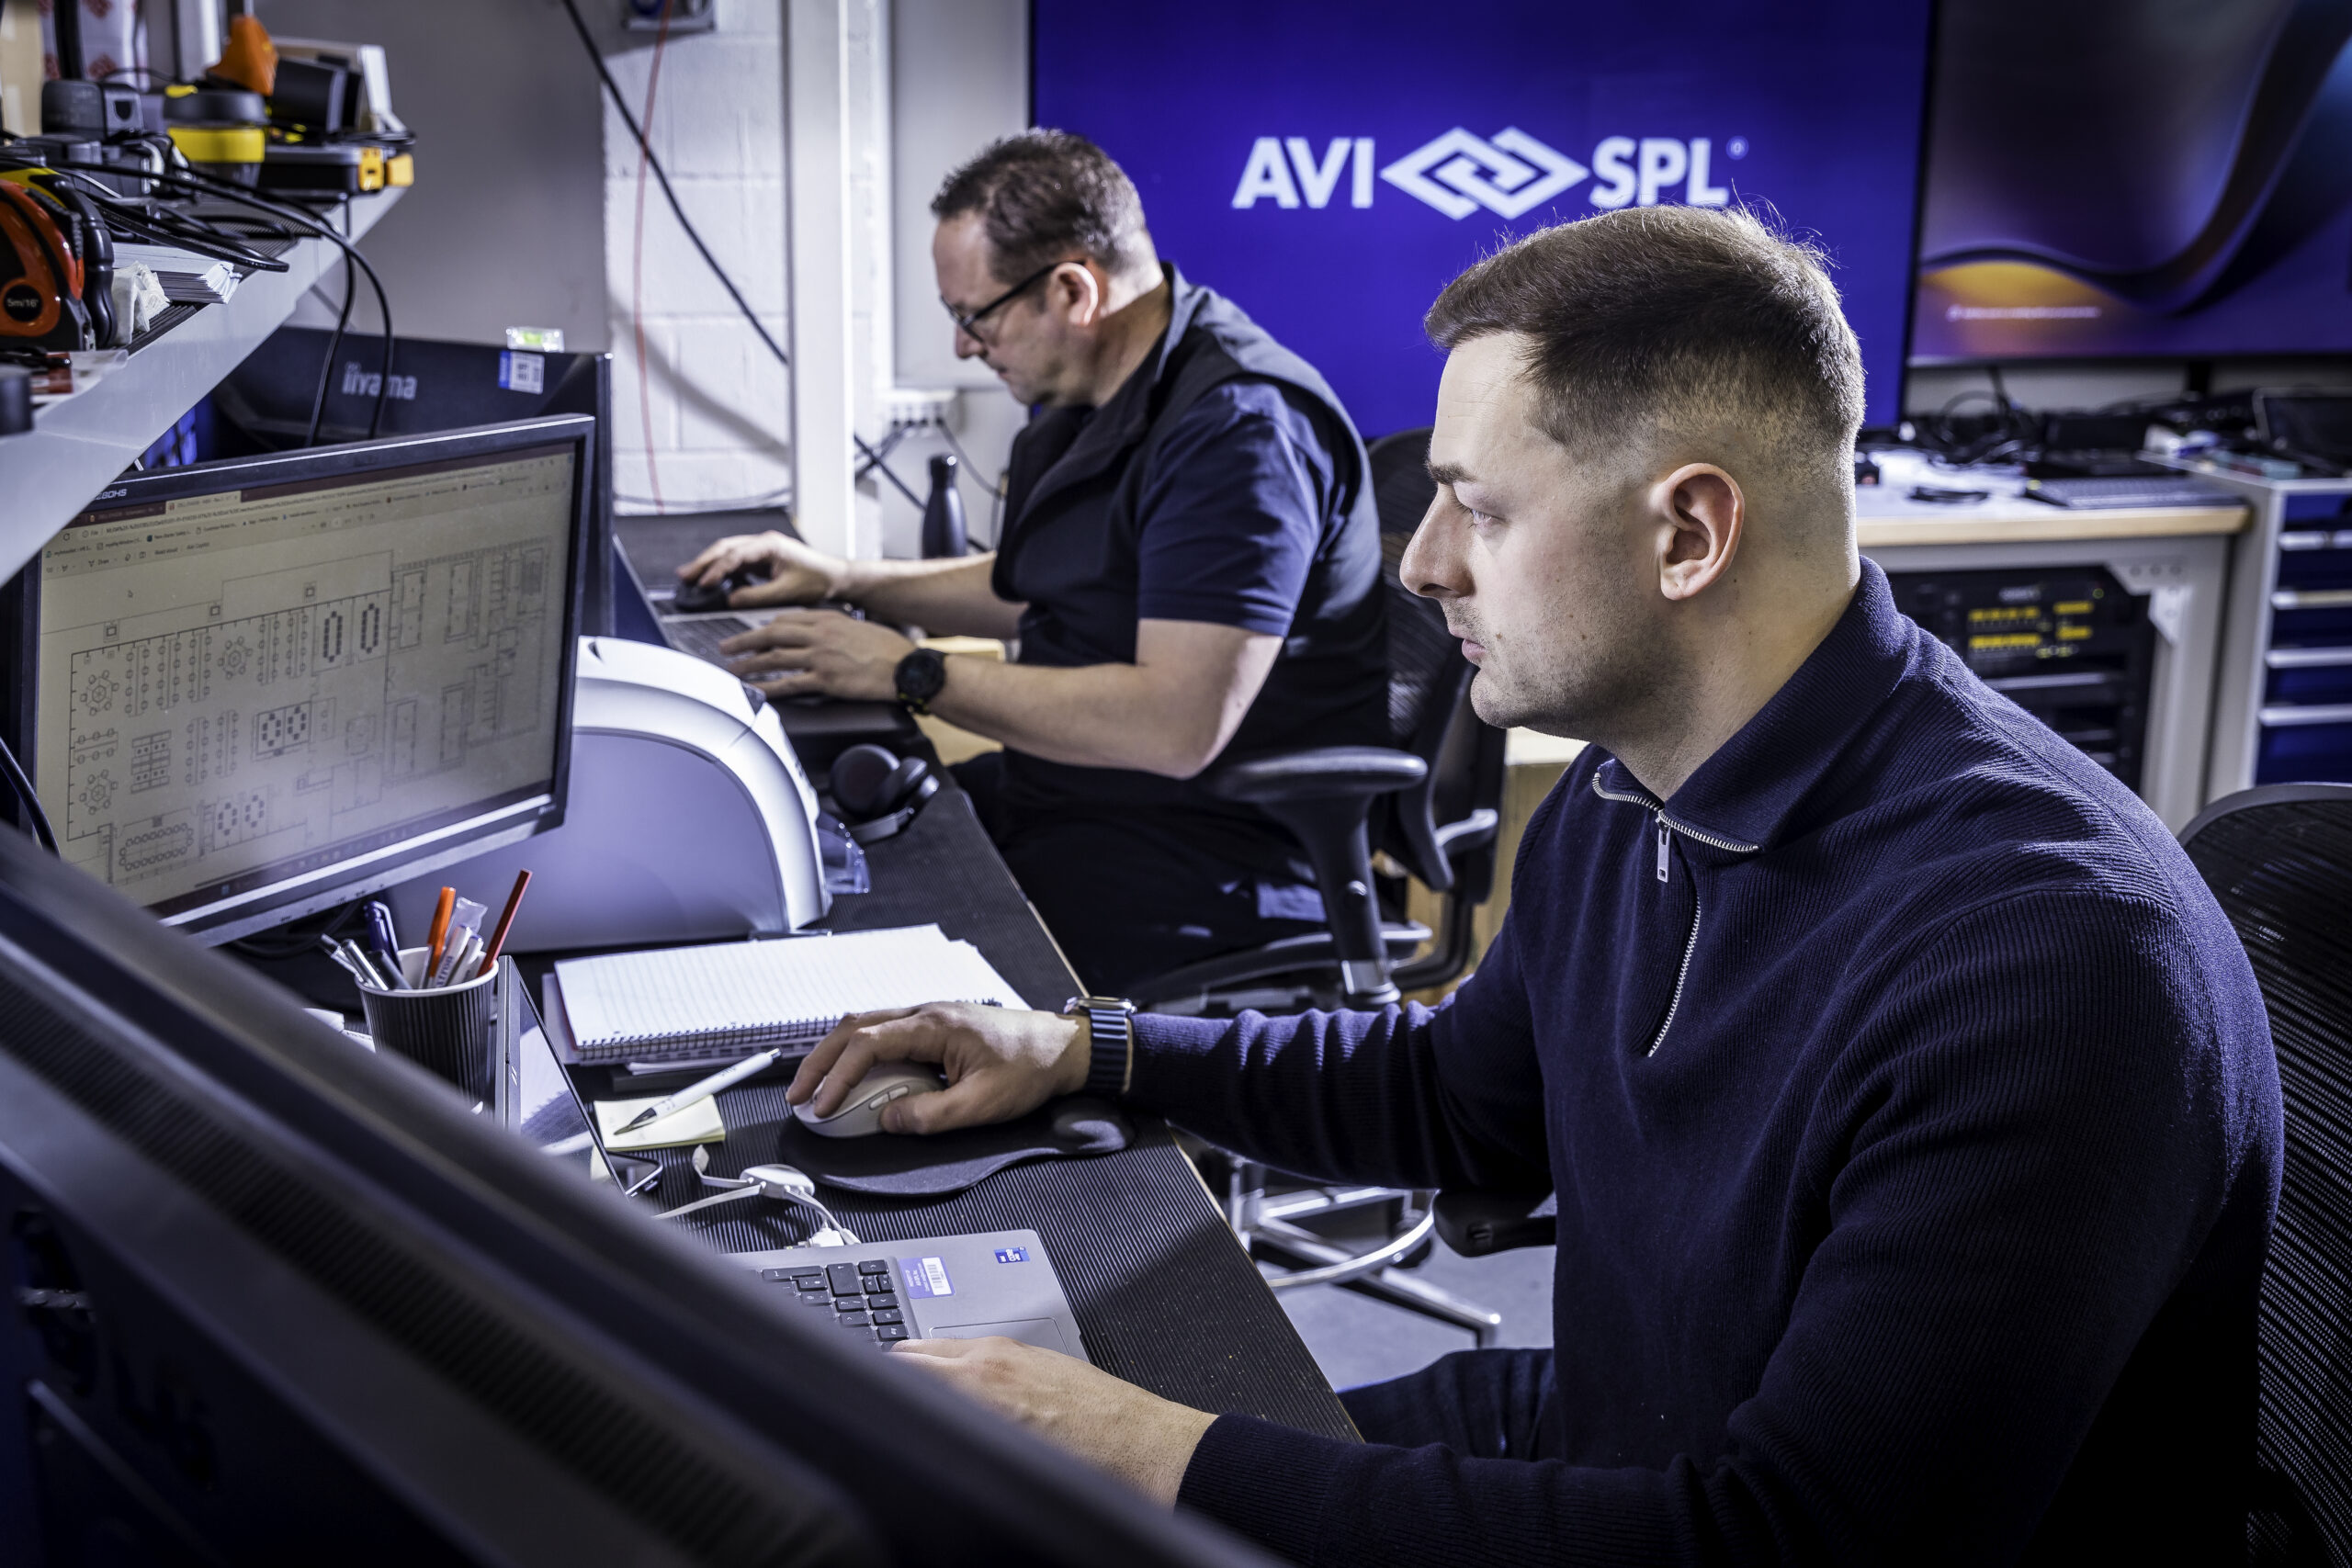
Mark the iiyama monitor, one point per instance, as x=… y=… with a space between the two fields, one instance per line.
x=247 y=691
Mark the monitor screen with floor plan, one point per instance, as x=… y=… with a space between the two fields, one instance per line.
x=267 y=686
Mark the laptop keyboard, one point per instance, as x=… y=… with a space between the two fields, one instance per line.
x=862 y=1297
x=702 y=635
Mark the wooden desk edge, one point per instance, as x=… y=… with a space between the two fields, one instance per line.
x=2035 y=523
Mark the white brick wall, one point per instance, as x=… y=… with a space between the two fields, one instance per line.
x=720 y=403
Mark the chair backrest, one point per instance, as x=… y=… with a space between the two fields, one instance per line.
x=2280 y=860
x=1429 y=690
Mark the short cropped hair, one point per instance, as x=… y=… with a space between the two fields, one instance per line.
x=1652 y=316
x=1047 y=195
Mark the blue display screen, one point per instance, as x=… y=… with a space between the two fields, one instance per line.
x=1330 y=166
x=2144 y=181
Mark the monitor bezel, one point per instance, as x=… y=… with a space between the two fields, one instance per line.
x=230 y=917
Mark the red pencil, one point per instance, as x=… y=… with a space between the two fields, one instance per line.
x=497 y=936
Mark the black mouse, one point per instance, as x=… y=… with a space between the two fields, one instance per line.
x=695 y=598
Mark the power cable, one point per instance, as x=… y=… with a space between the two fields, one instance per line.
x=189 y=179
x=335 y=347
x=661 y=178
x=36 y=819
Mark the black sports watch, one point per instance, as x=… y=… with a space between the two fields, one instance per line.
x=920 y=677
x=1111 y=1033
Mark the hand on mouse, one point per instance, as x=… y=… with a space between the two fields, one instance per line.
x=1000 y=1062
x=795 y=574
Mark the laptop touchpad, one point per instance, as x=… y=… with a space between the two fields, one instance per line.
x=1041 y=1332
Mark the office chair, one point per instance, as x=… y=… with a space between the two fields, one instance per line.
x=2280 y=860
x=1431 y=804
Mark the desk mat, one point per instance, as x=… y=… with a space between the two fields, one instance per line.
x=946 y=1163
x=1163 y=1294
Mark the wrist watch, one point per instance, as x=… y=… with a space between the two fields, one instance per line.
x=920 y=677
x=1111 y=1033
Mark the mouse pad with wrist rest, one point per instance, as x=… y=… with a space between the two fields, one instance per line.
x=893 y=1164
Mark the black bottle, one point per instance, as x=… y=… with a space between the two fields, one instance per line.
x=942 y=514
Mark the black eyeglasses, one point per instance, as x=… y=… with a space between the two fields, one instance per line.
x=966 y=325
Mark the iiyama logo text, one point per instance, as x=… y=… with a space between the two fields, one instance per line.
x=1508 y=174
x=358 y=383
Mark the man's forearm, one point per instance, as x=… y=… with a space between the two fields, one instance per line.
x=941 y=596
x=1087 y=716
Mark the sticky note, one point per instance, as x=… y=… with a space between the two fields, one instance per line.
x=696 y=1124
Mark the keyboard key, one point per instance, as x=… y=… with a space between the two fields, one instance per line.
x=818 y=1298
x=877 y=1285
x=889 y=1317
x=854 y=1319
x=890 y=1332
x=881 y=1301
x=843 y=1278
x=810 y=1280
x=848 y=1303
x=874 y=1266
x=775 y=1274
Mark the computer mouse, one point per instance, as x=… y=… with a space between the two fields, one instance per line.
x=696 y=598
x=861 y=1114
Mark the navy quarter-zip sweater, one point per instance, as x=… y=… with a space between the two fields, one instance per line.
x=1916 y=1134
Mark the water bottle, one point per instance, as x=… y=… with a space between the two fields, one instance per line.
x=942 y=514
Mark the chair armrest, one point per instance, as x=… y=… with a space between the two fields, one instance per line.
x=1475 y=1223
x=1323 y=773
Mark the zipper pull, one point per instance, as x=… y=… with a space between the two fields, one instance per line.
x=1663 y=833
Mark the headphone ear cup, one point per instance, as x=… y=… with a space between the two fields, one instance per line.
x=910 y=783
x=861 y=775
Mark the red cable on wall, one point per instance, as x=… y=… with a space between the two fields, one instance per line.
x=636 y=265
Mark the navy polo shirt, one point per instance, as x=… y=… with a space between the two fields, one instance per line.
x=1244 y=504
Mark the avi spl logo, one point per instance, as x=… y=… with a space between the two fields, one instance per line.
x=1508 y=174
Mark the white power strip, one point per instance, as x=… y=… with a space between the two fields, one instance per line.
x=917 y=408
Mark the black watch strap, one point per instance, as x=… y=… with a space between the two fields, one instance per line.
x=1111 y=1038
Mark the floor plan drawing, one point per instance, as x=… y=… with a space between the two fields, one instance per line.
x=340 y=668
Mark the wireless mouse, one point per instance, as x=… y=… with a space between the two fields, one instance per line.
x=861 y=1114
x=695 y=599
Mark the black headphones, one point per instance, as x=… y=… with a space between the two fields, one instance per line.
x=877 y=793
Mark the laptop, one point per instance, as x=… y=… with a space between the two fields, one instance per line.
x=954 y=1286
x=957 y=1287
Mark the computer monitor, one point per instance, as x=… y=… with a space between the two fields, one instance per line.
x=248 y=691
x=2112 y=178
x=273 y=1298
x=1330 y=168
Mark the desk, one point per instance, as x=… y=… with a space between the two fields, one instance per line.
x=1165 y=1297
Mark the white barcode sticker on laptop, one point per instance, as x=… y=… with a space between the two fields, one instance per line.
x=926 y=1277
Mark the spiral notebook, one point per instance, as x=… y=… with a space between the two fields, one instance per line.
x=741 y=996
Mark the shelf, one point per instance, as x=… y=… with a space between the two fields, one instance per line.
x=80 y=444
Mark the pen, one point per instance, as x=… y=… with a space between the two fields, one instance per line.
x=469 y=962
x=385 y=939
x=441 y=909
x=507 y=919
x=702 y=1090
x=355 y=958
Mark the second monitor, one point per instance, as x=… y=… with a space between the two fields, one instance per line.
x=251 y=690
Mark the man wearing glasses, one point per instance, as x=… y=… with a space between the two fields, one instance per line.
x=1191 y=564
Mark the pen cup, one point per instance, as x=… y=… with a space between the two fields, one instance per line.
x=450 y=1030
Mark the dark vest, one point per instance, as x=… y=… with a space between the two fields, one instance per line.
x=1071 y=552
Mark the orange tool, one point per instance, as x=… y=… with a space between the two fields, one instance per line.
x=441 y=913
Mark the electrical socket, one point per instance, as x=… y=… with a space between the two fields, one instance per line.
x=915 y=408
x=685 y=16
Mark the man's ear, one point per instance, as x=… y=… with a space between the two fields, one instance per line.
x=1702 y=516
x=1078 y=295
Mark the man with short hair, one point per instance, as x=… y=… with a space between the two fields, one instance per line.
x=1191 y=565
x=1909 y=1101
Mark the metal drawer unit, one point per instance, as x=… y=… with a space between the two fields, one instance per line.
x=2282 y=710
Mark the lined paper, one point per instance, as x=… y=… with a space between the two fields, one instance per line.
x=750 y=995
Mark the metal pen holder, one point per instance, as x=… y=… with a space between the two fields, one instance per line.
x=451 y=1031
